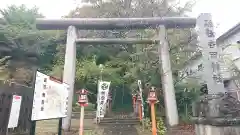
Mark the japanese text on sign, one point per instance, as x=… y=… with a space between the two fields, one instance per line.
x=50 y=98
x=213 y=54
x=210 y=54
x=103 y=90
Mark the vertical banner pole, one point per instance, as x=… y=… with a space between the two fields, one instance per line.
x=33 y=123
x=60 y=126
x=141 y=96
x=97 y=119
x=33 y=128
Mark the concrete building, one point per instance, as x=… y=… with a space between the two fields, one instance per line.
x=229 y=45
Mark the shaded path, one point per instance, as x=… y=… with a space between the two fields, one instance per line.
x=120 y=130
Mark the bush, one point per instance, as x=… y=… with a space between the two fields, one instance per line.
x=161 y=129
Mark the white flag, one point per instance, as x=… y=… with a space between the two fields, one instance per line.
x=103 y=90
x=140 y=92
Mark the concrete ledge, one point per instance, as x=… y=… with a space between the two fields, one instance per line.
x=219 y=122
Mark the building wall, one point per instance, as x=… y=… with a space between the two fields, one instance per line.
x=230 y=53
x=230 y=40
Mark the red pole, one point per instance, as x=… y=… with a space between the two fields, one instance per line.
x=153 y=115
x=81 y=121
x=140 y=110
x=134 y=103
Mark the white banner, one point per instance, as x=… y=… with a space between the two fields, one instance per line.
x=140 y=92
x=103 y=90
x=15 y=111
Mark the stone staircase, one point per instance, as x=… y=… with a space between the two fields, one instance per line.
x=88 y=115
x=119 y=121
x=119 y=125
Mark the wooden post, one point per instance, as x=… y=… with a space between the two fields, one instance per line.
x=69 y=72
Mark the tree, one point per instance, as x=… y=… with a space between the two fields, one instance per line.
x=21 y=44
x=136 y=61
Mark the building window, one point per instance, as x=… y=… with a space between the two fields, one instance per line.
x=200 y=67
x=226 y=83
x=190 y=71
x=187 y=73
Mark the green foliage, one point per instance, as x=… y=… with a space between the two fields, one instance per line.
x=186 y=94
x=22 y=44
x=161 y=128
x=20 y=16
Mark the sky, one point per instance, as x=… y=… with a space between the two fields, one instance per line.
x=225 y=13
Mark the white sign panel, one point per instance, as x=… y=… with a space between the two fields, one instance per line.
x=15 y=111
x=140 y=92
x=50 y=98
x=103 y=90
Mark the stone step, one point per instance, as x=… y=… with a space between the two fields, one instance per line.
x=119 y=121
x=117 y=124
x=119 y=118
x=87 y=115
x=121 y=128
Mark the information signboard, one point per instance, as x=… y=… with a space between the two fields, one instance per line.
x=50 y=98
x=15 y=111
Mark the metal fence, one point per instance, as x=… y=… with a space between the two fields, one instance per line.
x=24 y=123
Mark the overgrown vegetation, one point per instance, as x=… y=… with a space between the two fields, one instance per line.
x=23 y=48
x=161 y=128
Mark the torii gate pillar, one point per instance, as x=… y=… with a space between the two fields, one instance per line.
x=167 y=79
x=69 y=72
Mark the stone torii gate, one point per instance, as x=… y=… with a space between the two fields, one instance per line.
x=161 y=24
